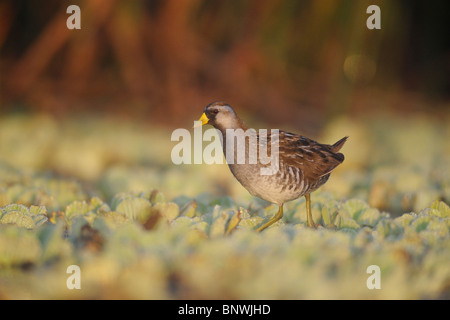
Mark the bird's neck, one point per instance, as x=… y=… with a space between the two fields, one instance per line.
x=236 y=124
x=236 y=142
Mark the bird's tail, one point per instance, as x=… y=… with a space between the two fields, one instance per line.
x=338 y=145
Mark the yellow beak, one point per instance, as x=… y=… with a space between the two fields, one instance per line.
x=203 y=119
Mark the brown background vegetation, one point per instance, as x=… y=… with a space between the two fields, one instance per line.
x=278 y=61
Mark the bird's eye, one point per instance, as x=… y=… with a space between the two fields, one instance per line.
x=215 y=111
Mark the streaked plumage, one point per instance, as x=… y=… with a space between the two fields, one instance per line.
x=304 y=164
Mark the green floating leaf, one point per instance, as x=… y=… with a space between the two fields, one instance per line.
x=168 y=210
x=233 y=222
x=38 y=210
x=421 y=223
x=16 y=207
x=76 y=208
x=156 y=197
x=112 y=218
x=440 y=209
x=217 y=226
x=39 y=215
x=98 y=206
x=326 y=216
x=131 y=206
x=189 y=209
x=369 y=217
x=330 y=220
x=438 y=228
x=251 y=223
x=18 y=218
x=387 y=228
x=39 y=220
x=405 y=219
x=202 y=226
x=18 y=247
x=182 y=222
x=353 y=208
x=347 y=223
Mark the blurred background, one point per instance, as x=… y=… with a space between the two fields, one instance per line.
x=82 y=102
x=280 y=61
x=86 y=118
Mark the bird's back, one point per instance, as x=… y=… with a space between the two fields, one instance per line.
x=303 y=166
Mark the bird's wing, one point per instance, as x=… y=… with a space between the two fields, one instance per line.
x=315 y=160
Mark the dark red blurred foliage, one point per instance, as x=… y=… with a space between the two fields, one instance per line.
x=281 y=61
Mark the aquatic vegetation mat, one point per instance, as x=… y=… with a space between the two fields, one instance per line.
x=104 y=197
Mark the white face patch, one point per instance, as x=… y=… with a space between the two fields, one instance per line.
x=226 y=117
x=226 y=120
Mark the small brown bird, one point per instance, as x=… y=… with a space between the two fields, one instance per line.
x=302 y=164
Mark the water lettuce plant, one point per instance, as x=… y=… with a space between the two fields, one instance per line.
x=184 y=251
x=107 y=199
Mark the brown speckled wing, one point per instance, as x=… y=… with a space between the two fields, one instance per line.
x=315 y=160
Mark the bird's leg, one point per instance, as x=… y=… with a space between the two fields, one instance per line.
x=274 y=219
x=309 y=219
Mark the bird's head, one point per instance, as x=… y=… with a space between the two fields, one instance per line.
x=221 y=116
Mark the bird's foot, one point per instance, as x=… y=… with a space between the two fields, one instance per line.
x=313 y=225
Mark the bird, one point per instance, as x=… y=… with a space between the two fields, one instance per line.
x=303 y=165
